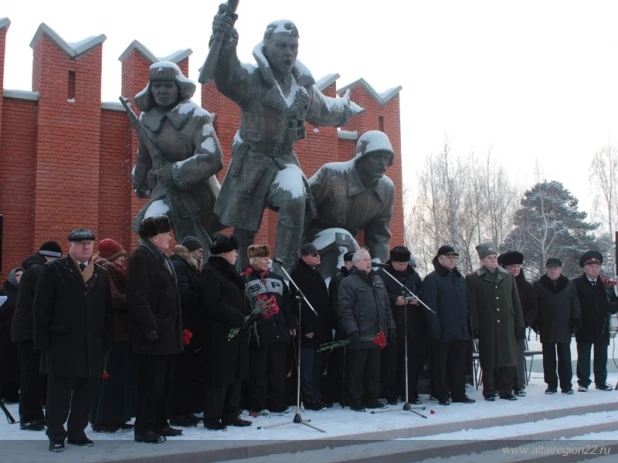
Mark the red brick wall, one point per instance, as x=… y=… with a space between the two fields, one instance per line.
x=65 y=164
x=17 y=181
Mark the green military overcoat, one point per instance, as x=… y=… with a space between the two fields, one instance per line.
x=496 y=314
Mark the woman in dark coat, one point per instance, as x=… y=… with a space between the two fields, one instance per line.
x=226 y=360
x=9 y=361
x=117 y=389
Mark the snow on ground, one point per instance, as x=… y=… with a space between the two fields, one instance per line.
x=344 y=422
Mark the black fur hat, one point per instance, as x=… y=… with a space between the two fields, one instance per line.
x=510 y=258
x=400 y=254
x=224 y=243
x=152 y=226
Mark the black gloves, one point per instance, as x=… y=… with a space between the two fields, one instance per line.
x=520 y=333
x=476 y=333
x=152 y=336
x=576 y=324
x=353 y=337
x=392 y=334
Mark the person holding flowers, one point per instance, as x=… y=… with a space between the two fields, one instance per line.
x=364 y=310
x=226 y=357
x=270 y=333
x=598 y=301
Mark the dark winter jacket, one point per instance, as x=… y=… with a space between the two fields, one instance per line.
x=528 y=299
x=364 y=307
x=415 y=313
x=333 y=287
x=22 y=326
x=314 y=288
x=447 y=294
x=496 y=311
x=6 y=311
x=188 y=274
x=154 y=302
x=73 y=318
x=558 y=308
x=595 y=310
x=275 y=328
x=225 y=307
x=118 y=288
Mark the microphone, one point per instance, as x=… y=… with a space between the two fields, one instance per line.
x=279 y=261
x=379 y=264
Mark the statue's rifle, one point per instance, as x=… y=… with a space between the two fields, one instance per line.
x=208 y=70
x=144 y=136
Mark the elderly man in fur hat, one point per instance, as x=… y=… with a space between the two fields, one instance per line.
x=155 y=332
x=271 y=335
x=512 y=261
x=176 y=167
x=498 y=322
x=598 y=301
x=275 y=97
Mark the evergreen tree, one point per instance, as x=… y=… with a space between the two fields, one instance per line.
x=549 y=224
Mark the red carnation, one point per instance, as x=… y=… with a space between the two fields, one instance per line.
x=187 y=336
x=247 y=271
x=105 y=375
x=380 y=339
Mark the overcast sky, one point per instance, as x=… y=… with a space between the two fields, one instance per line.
x=530 y=80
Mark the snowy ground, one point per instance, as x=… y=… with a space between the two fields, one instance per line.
x=344 y=422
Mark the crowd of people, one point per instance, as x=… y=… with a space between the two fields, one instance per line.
x=102 y=338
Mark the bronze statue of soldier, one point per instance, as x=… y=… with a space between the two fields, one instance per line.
x=178 y=155
x=276 y=97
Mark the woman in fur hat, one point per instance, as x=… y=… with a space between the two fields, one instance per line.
x=226 y=360
x=115 y=397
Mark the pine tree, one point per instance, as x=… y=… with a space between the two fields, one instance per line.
x=549 y=224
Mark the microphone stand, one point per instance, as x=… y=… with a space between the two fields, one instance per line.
x=406 y=406
x=300 y=297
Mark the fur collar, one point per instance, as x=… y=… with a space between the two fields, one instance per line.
x=561 y=283
x=226 y=270
x=178 y=116
x=183 y=253
x=482 y=270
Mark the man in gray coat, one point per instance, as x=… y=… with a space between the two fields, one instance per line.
x=365 y=311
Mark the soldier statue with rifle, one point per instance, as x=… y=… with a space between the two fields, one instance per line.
x=275 y=97
x=178 y=155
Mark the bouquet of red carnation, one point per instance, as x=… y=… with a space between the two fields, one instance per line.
x=187 y=336
x=609 y=287
x=379 y=339
x=263 y=305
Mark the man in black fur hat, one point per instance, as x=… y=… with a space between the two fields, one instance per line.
x=598 y=301
x=393 y=366
x=155 y=331
x=512 y=261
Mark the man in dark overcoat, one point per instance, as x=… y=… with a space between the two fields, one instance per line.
x=73 y=323
x=412 y=322
x=512 y=261
x=598 y=301
x=226 y=358
x=32 y=383
x=559 y=317
x=155 y=332
x=446 y=292
x=313 y=330
x=498 y=322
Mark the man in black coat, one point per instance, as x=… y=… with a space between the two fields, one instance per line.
x=187 y=262
x=559 y=317
x=32 y=383
x=598 y=301
x=155 y=328
x=446 y=292
x=73 y=324
x=313 y=330
x=226 y=357
x=270 y=334
x=409 y=317
x=512 y=261
x=364 y=311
